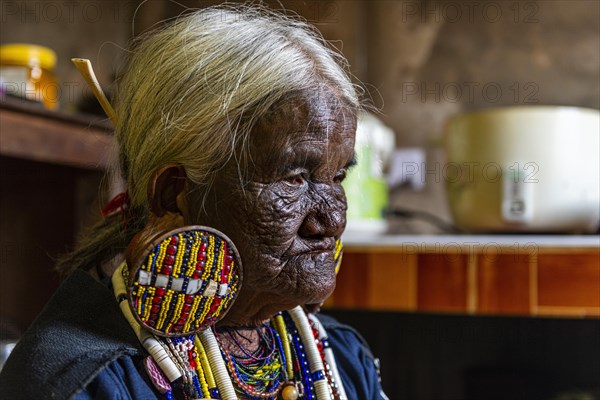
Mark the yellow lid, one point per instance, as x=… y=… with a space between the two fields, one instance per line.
x=28 y=54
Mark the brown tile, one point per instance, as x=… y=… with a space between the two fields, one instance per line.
x=571 y=280
x=442 y=282
x=503 y=284
x=392 y=281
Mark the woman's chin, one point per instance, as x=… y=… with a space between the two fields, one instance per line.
x=317 y=294
x=310 y=280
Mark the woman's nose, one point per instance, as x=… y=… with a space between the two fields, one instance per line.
x=327 y=215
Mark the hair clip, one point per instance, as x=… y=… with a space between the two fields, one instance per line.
x=84 y=66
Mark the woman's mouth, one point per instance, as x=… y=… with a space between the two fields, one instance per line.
x=311 y=246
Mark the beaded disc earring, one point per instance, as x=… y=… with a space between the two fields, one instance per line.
x=184 y=280
x=337 y=255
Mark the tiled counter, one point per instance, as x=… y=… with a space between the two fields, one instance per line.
x=556 y=275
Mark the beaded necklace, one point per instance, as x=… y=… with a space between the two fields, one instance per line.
x=259 y=374
x=293 y=360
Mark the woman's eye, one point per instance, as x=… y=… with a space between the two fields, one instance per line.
x=340 y=176
x=295 y=180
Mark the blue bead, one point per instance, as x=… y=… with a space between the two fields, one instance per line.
x=214 y=393
x=197 y=384
x=318 y=375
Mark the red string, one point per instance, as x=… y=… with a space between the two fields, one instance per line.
x=118 y=204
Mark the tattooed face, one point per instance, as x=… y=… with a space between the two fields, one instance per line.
x=283 y=204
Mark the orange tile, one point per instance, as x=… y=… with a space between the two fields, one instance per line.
x=571 y=280
x=442 y=282
x=503 y=284
x=392 y=281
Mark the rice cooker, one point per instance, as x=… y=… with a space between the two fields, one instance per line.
x=524 y=169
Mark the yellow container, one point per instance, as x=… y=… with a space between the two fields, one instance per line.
x=27 y=71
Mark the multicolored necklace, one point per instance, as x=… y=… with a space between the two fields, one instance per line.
x=258 y=374
x=172 y=301
x=290 y=362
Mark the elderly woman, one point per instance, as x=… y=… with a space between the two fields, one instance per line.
x=235 y=129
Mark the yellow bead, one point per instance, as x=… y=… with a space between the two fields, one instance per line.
x=289 y=392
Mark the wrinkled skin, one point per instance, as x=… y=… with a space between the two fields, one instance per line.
x=283 y=205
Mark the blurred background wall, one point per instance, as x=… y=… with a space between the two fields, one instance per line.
x=420 y=61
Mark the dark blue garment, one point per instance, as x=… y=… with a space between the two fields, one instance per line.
x=81 y=347
x=120 y=380
x=123 y=380
x=358 y=368
x=80 y=331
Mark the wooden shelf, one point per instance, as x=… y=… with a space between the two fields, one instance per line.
x=51 y=169
x=30 y=133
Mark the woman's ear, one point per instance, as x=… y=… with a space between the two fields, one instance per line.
x=168 y=210
x=166 y=191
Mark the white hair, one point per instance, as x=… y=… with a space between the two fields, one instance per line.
x=191 y=91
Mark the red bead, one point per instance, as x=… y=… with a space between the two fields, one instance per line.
x=189 y=298
x=169 y=260
x=166 y=269
x=155 y=309
x=160 y=291
x=156 y=300
x=171 y=250
x=215 y=305
x=201 y=256
x=203 y=246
